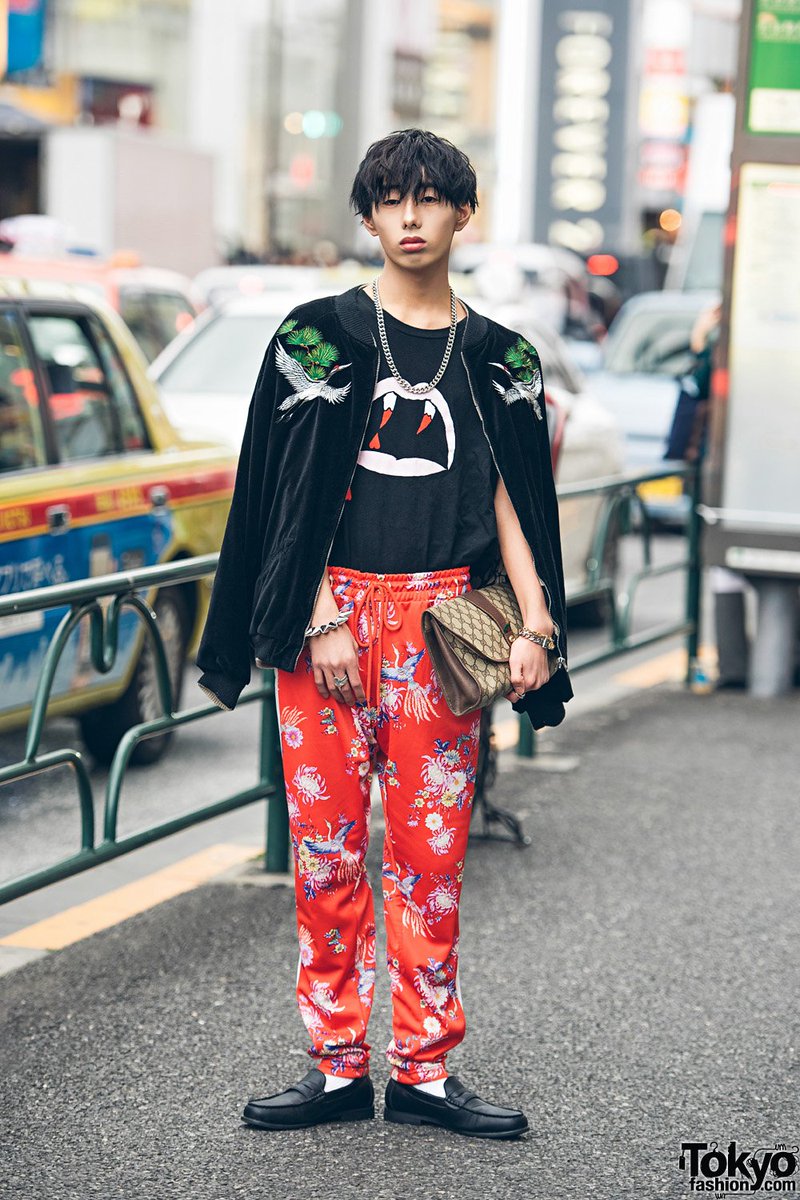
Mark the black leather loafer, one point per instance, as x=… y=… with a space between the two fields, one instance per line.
x=461 y=1110
x=307 y=1103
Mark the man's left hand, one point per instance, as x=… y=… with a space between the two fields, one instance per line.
x=529 y=668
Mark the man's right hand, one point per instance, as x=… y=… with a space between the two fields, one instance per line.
x=336 y=654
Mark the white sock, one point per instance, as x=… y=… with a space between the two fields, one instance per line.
x=435 y=1087
x=332 y=1082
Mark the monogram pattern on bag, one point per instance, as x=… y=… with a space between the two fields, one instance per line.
x=478 y=641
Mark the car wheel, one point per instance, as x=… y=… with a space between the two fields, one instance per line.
x=103 y=728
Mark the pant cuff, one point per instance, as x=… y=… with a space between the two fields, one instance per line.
x=424 y=1073
x=342 y=1070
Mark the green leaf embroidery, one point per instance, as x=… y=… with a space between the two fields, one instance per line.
x=307 y=346
x=307 y=336
x=295 y=338
x=522 y=359
x=325 y=354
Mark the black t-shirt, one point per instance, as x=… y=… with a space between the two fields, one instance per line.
x=422 y=496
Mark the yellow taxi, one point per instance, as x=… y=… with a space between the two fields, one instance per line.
x=94 y=479
x=154 y=303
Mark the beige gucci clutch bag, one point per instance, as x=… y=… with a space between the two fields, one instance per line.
x=469 y=640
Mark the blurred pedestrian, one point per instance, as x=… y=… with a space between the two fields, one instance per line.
x=395 y=454
x=687 y=440
x=689 y=430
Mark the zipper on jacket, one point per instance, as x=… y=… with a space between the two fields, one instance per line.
x=341 y=510
x=562 y=662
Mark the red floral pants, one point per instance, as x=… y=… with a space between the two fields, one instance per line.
x=425 y=759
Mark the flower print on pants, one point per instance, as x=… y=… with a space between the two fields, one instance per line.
x=425 y=759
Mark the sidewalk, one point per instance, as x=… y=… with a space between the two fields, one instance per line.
x=630 y=979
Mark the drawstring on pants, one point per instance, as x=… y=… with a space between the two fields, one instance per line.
x=375 y=603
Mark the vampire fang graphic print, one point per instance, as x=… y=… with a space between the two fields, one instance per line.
x=422 y=495
x=408 y=435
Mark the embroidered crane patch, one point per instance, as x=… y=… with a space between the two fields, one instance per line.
x=523 y=375
x=309 y=365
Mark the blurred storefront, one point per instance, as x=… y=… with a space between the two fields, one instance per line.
x=94 y=109
x=459 y=94
x=580 y=116
x=688 y=54
x=88 y=62
x=346 y=72
x=131 y=57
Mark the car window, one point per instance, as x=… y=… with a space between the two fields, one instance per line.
x=21 y=436
x=174 y=312
x=705 y=266
x=80 y=399
x=131 y=422
x=655 y=343
x=224 y=356
x=154 y=317
x=556 y=366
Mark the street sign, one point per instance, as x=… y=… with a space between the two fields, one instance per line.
x=773 y=99
x=762 y=472
x=752 y=480
x=582 y=197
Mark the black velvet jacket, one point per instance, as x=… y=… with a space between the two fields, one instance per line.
x=304 y=432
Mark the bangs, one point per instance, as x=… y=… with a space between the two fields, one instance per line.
x=413 y=160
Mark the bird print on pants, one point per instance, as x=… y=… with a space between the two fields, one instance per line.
x=416 y=701
x=412 y=914
x=349 y=863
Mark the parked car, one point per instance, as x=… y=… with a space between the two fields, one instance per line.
x=217 y=286
x=95 y=479
x=155 y=304
x=645 y=354
x=550 y=281
x=590 y=447
x=206 y=378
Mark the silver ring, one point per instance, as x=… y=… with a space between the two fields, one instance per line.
x=340 y=682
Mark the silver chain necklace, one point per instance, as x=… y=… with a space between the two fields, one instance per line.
x=418 y=389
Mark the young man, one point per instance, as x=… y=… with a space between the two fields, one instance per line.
x=396 y=454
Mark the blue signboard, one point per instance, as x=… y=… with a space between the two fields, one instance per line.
x=26 y=21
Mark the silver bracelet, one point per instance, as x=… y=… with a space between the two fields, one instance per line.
x=315 y=630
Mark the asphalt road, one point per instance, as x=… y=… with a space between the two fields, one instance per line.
x=630 y=980
x=39 y=820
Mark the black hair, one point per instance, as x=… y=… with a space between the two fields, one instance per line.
x=412 y=160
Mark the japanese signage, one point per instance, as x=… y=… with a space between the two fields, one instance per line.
x=774 y=85
x=581 y=175
x=764 y=358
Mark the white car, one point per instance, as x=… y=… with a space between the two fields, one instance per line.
x=591 y=445
x=645 y=354
x=206 y=375
x=205 y=378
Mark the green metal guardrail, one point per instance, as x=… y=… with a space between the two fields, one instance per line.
x=83 y=599
x=123 y=591
x=621 y=499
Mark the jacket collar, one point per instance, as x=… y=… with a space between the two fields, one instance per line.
x=352 y=320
